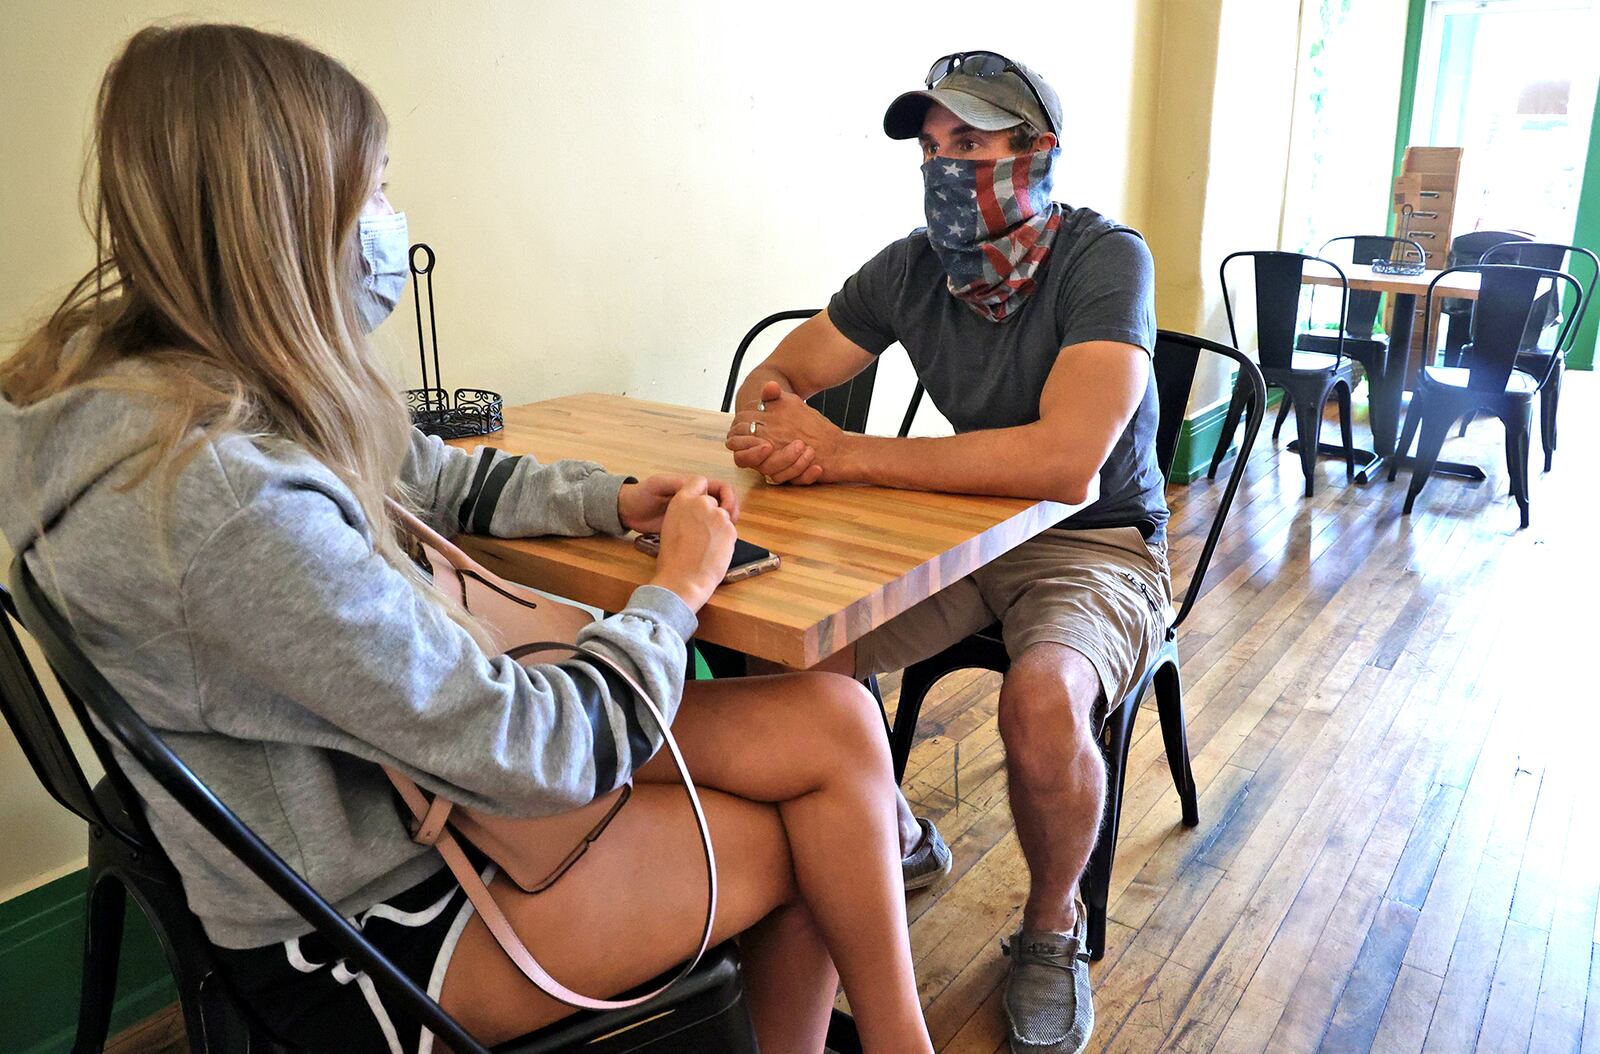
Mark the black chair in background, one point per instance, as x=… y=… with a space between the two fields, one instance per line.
x=1547 y=313
x=846 y=405
x=1176 y=358
x=1489 y=379
x=1362 y=342
x=706 y=1012
x=1466 y=250
x=1306 y=378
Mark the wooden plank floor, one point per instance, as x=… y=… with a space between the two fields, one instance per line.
x=1390 y=734
x=1391 y=730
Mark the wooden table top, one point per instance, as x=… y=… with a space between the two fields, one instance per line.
x=853 y=556
x=1462 y=285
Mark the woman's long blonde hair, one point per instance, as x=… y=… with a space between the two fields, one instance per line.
x=230 y=168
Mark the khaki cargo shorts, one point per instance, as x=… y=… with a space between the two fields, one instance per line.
x=1106 y=593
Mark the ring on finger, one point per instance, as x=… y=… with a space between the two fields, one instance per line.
x=752 y=428
x=761 y=407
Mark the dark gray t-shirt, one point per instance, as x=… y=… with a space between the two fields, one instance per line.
x=1098 y=283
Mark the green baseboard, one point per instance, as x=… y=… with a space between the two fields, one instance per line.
x=1197 y=440
x=41 y=961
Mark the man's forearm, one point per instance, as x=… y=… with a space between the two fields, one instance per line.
x=750 y=390
x=1023 y=462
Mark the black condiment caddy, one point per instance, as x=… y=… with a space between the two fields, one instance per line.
x=435 y=409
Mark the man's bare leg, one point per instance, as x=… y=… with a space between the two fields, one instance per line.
x=1057 y=775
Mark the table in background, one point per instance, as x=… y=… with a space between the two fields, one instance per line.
x=853 y=556
x=1388 y=389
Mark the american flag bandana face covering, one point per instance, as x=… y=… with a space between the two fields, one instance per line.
x=992 y=224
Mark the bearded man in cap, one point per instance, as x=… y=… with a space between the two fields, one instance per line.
x=1031 y=324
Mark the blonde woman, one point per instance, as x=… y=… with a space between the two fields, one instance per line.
x=195 y=451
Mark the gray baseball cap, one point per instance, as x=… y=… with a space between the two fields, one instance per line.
x=989 y=103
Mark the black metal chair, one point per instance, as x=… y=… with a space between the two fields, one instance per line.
x=1176 y=357
x=1361 y=339
x=1306 y=378
x=1466 y=250
x=846 y=405
x=124 y=861
x=1489 y=379
x=705 y=1012
x=1546 y=313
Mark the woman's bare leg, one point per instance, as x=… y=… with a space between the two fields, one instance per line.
x=843 y=662
x=789 y=980
x=813 y=745
x=631 y=909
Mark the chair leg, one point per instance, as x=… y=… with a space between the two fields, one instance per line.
x=101 y=946
x=187 y=962
x=1230 y=424
x=1168 y=685
x=1435 y=427
x=1346 y=429
x=843 y=1037
x=1407 y=435
x=1549 y=399
x=1465 y=423
x=870 y=682
x=1518 y=441
x=915 y=683
x=1283 y=415
x=1095 y=885
x=1308 y=423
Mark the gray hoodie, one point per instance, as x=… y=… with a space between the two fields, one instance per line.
x=284 y=660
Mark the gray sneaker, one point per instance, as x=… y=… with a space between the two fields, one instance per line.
x=1048 y=1004
x=929 y=861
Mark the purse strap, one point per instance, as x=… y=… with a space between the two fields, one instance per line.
x=431 y=819
x=432 y=815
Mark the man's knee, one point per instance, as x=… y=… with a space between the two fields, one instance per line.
x=1048 y=697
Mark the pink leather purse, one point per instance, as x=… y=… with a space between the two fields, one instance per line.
x=532 y=852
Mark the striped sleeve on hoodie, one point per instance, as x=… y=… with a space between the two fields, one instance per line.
x=489 y=491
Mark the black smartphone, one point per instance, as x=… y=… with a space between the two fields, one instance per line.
x=748 y=560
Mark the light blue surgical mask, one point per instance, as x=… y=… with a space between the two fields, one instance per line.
x=385 y=248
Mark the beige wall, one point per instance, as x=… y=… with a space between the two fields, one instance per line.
x=1181 y=145
x=616 y=190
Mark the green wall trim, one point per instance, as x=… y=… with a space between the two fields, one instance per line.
x=1197 y=440
x=1410 y=60
x=41 y=958
x=1586 y=232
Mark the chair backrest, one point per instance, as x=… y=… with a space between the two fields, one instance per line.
x=1506 y=297
x=1177 y=357
x=846 y=405
x=1278 y=283
x=1559 y=257
x=91 y=692
x=911 y=411
x=32 y=720
x=1362 y=318
x=1467 y=249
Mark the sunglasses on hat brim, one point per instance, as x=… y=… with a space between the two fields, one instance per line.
x=984 y=65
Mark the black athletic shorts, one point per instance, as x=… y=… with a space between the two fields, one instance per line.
x=311 y=998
